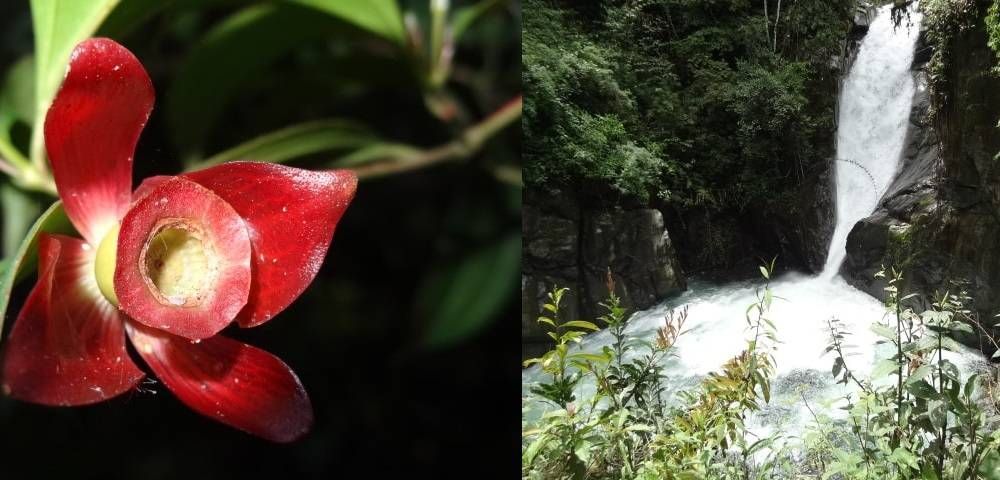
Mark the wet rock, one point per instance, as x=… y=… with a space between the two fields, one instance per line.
x=635 y=247
x=573 y=246
x=940 y=220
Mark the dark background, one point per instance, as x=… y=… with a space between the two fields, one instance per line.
x=385 y=401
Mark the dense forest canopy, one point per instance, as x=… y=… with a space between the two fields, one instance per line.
x=699 y=102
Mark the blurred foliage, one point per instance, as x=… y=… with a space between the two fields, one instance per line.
x=681 y=99
x=417 y=96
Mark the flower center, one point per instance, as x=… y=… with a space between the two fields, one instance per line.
x=104 y=265
x=179 y=266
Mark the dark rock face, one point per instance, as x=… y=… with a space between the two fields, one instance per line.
x=940 y=220
x=635 y=247
x=566 y=245
x=806 y=229
x=885 y=238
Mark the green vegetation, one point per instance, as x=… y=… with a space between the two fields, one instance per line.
x=915 y=416
x=715 y=103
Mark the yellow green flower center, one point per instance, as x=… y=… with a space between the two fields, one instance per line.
x=178 y=265
x=104 y=265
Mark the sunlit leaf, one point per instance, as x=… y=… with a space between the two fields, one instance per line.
x=581 y=324
x=922 y=389
x=297 y=141
x=19 y=265
x=460 y=300
x=884 y=331
x=920 y=373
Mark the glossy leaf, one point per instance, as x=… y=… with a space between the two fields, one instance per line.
x=59 y=25
x=17 y=103
x=381 y=17
x=19 y=265
x=20 y=209
x=460 y=300
x=238 y=48
x=581 y=324
x=18 y=93
x=297 y=141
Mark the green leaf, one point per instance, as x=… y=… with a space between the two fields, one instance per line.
x=54 y=220
x=961 y=327
x=534 y=448
x=17 y=103
x=464 y=17
x=20 y=209
x=375 y=152
x=381 y=17
x=764 y=272
x=59 y=25
x=922 y=389
x=297 y=141
x=240 y=46
x=970 y=385
x=883 y=368
x=904 y=457
x=593 y=357
x=920 y=373
x=884 y=331
x=581 y=324
x=990 y=468
x=937 y=412
x=460 y=300
x=18 y=94
x=131 y=14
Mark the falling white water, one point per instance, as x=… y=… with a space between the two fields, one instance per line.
x=874 y=112
x=874 y=108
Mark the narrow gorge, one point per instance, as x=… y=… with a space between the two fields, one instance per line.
x=887 y=174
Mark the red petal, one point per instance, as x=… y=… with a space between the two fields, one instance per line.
x=148 y=185
x=67 y=346
x=179 y=201
x=232 y=382
x=91 y=130
x=291 y=215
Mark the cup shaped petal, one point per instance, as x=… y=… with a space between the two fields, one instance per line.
x=183 y=260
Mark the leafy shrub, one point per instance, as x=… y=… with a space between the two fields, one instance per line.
x=676 y=98
x=916 y=415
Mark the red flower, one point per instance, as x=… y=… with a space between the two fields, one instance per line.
x=170 y=264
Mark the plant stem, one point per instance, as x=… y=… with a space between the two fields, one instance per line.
x=899 y=370
x=463 y=147
x=944 y=426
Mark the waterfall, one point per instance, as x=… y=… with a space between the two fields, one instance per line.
x=874 y=112
x=874 y=109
